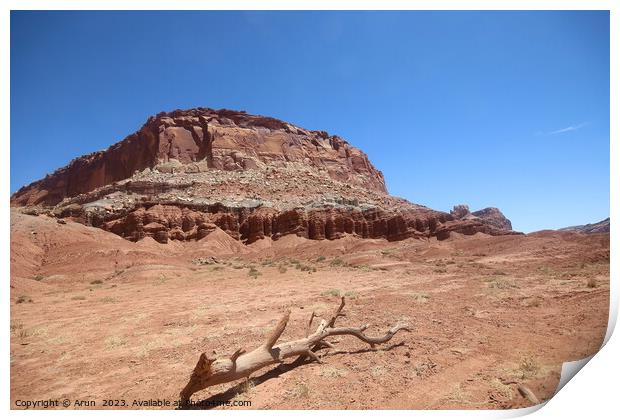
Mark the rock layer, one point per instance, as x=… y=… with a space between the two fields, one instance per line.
x=176 y=221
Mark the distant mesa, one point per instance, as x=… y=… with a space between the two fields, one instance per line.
x=188 y=172
x=599 y=227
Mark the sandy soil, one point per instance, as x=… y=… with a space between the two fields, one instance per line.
x=95 y=317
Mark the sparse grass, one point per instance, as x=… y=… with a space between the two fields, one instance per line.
x=500 y=283
x=545 y=269
x=254 y=273
x=420 y=297
x=79 y=297
x=458 y=396
x=591 y=283
x=338 y=262
x=532 y=303
x=108 y=299
x=161 y=280
x=304 y=267
x=146 y=349
x=247 y=386
x=16 y=326
x=332 y=372
x=501 y=390
x=529 y=367
x=424 y=369
x=115 y=342
x=378 y=371
x=300 y=390
x=96 y=282
x=332 y=292
x=24 y=299
x=351 y=295
x=364 y=267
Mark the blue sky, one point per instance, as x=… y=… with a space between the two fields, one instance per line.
x=504 y=109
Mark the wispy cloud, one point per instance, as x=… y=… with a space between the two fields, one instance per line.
x=569 y=128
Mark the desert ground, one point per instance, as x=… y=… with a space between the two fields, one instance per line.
x=96 y=317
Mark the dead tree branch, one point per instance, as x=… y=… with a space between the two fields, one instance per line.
x=211 y=371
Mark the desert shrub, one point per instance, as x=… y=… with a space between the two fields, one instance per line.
x=254 y=273
x=38 y=277
x=115 y=341
x=500 y=283
x=321 y=258
x=332 y=292
x=591 y=283
x=96 y=282
x=420 y=297
x=304 y=267
x=300 y=390
x=337 y=262
x=23 y=299
x=78 y=298
x=528 y=367
x=282 y=268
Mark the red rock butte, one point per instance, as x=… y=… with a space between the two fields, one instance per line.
x=184 y=173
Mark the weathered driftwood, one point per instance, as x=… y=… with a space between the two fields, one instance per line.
x=211 y=371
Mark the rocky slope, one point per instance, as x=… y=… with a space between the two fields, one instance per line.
x=184 y=173
x=600 y=227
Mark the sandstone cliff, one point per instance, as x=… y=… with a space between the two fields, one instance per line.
x=201 y=139
x=184 y=173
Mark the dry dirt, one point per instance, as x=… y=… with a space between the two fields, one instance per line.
x=96 y=317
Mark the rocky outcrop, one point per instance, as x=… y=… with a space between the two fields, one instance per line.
x=600 y=227
x=494 y=217
x=491 y=216
x=185 y=174
x=201 y=139
x=470 y=227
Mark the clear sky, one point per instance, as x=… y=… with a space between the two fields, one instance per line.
x=504 y=109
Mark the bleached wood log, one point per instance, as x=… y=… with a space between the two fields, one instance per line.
x=211 y=370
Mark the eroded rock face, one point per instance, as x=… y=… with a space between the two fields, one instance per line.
x=174 y=221
x=200 y=139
